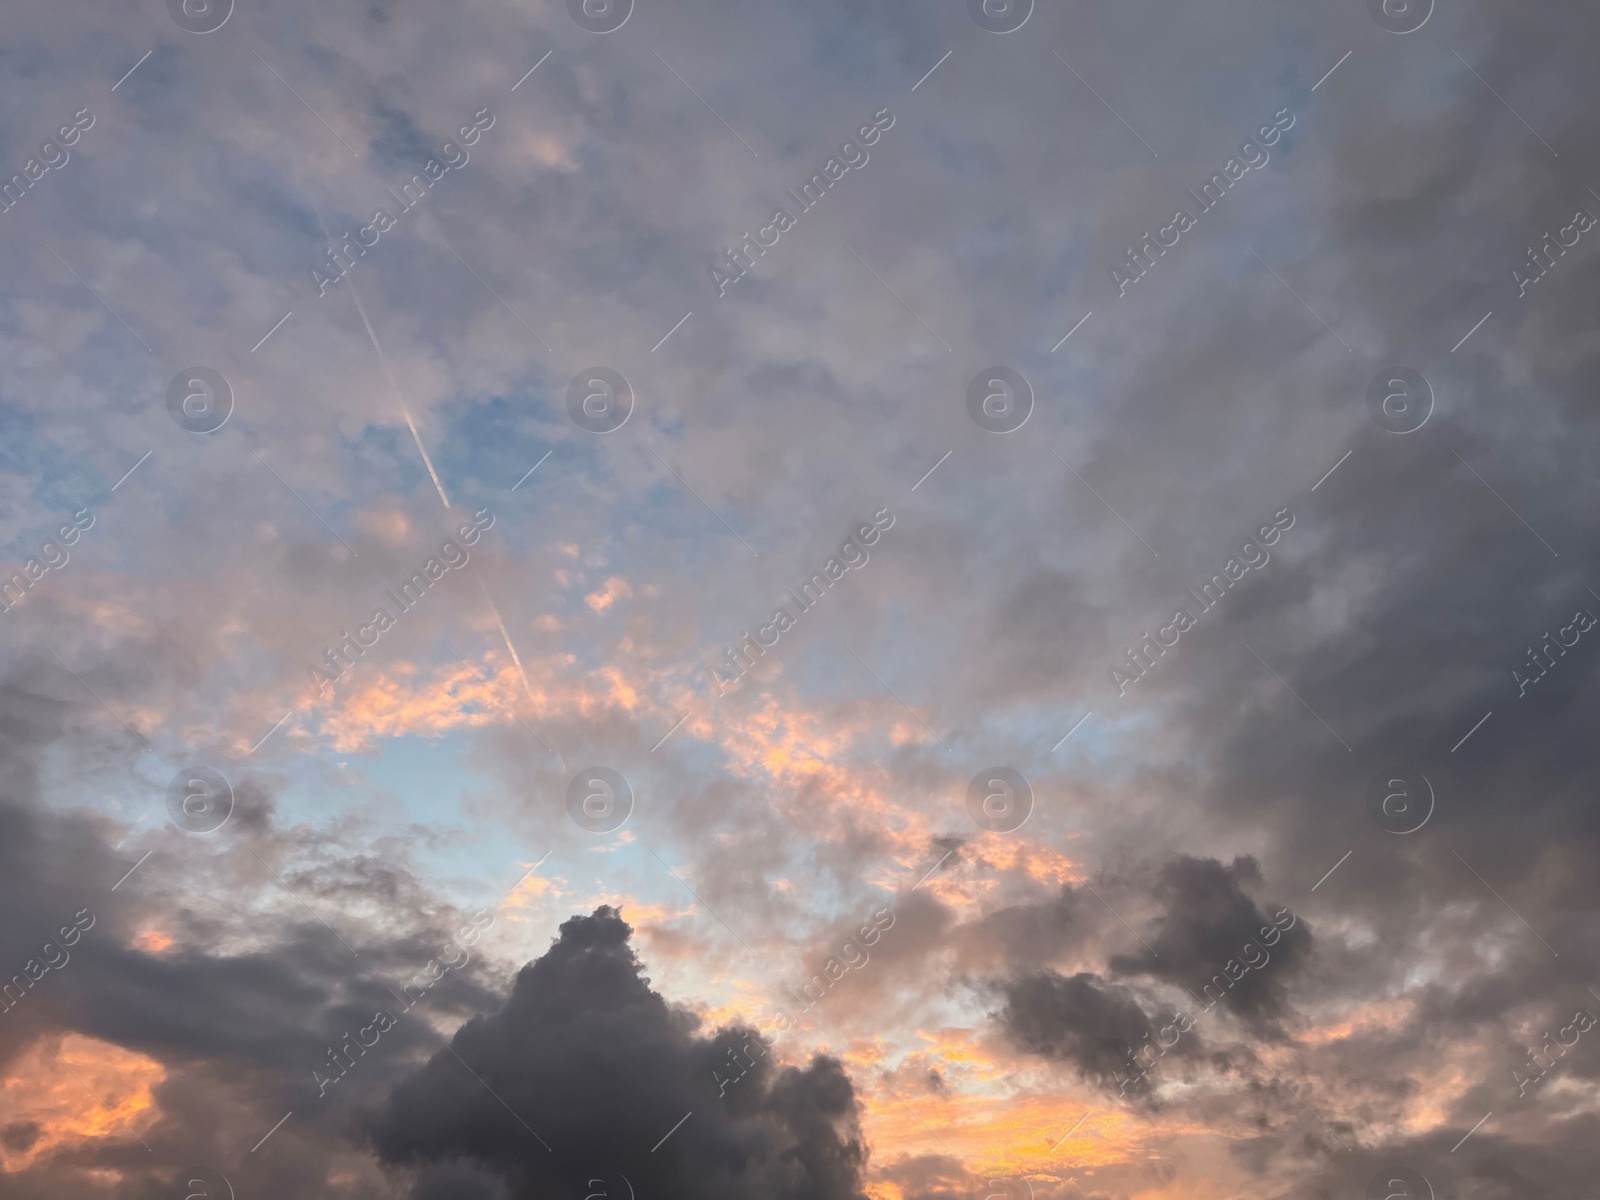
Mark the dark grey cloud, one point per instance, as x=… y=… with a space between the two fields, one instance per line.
x=1094 y=1026
x=1213 y=935
x=586 y=1073
x=1152 y=1016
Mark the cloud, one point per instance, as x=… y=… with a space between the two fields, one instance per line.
x=192 y=999
x=1219 y=390
x=1080 y=1020
x=1208 y=923
x=586 y=1073
x=1210 y=940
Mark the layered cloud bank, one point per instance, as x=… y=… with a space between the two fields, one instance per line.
x=427 y=768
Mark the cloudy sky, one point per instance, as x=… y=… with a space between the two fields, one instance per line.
x=983 y=599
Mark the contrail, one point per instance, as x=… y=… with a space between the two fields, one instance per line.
x=515 y=657
x=389 y=373
x=412 y=425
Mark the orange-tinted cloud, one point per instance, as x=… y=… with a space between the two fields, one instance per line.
x=62 y=1093
x=614 y=589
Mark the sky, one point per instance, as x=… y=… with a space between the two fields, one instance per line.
x=798 y=601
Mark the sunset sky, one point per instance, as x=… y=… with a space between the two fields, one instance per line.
x=800 y=600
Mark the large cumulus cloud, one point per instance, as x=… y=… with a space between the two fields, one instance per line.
x=585 y=1074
